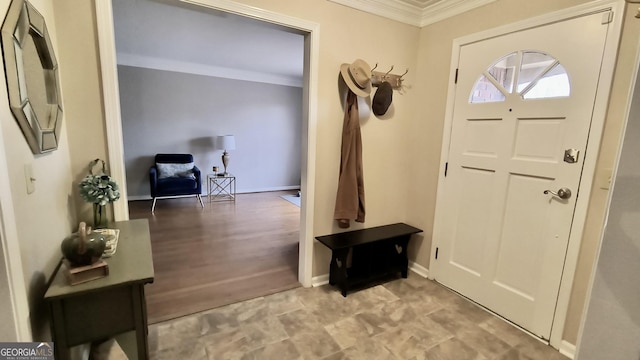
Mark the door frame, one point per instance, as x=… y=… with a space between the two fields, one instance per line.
x=11 y=263
x=591 y=152
x=115 y=145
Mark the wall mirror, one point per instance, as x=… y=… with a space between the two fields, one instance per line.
x=32 y=76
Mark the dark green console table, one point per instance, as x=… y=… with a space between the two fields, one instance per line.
x=109 y=306
x=376 y=252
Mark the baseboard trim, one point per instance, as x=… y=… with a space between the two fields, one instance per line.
x=567 y=349
x=267 y=189
x=138 y=197
x=244 y=191
x=419 y=269
x=320 y=280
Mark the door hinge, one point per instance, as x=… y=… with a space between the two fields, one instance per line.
x=437 y=253
x=607 y=17
x=446 y=167
x=455 y=81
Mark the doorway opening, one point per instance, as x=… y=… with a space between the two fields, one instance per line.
x=307 y=148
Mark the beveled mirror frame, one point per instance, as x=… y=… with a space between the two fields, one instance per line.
x=32 y=76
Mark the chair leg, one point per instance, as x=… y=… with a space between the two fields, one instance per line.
x=200 y=199
x=153 y=206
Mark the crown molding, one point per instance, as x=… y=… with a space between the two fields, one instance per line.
x=413 y=15
x=390 y=9
x=149 y=62
x=448 y=8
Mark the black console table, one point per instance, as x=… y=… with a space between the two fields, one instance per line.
x=102 y=308
x=375 y=252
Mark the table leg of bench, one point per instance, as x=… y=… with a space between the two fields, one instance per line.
x=333 y=269
x=403 y=242
x=338 y=270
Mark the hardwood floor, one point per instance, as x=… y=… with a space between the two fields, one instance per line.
x=224 y=253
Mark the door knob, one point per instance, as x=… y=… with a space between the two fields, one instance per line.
x=563 y=193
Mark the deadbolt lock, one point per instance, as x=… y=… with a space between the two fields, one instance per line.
x=571 y=155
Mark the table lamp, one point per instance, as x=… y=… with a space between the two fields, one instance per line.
x=226 y=142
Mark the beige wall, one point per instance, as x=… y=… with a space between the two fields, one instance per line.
x=435 y=61
x=44 y=217
x=401 y=153
x=82 y=89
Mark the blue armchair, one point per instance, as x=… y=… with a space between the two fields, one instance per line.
x=174 y=175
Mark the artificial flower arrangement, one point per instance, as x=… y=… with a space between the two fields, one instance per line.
x=99 y=190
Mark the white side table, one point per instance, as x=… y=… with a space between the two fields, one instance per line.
x=221 y=187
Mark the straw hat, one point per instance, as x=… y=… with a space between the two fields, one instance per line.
x=357 y=76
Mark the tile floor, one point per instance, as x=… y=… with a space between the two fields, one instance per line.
x=410 y=318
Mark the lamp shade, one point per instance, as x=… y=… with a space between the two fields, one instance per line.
x=226 y=142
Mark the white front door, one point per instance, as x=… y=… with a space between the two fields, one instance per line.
x=521 y=101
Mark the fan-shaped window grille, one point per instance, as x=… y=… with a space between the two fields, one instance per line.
x=530 y=74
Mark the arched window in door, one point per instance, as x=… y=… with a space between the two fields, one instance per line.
x=530 y=74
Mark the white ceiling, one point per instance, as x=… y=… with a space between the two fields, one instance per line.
x=174 y=36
